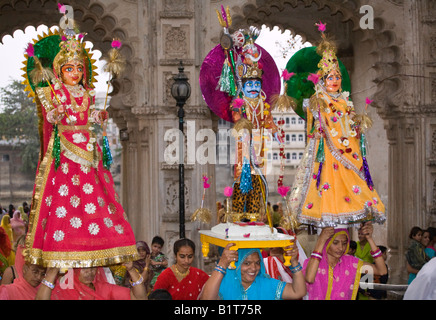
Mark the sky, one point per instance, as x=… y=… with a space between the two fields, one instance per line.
x=12 y=56
x=12 y=53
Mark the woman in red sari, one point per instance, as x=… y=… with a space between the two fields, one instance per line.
x=90 y=284
x=181 y=280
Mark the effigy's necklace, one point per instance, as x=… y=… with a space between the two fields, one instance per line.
x=253 y=110
x=78 y=92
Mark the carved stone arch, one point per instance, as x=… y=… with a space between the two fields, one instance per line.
x=95 y=19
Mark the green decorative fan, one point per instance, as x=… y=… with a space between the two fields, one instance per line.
x=302 y=64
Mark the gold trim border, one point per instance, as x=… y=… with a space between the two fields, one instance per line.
x=83 y=259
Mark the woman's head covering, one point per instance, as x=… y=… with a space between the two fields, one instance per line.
x=5 y=243
x=81 y=291
x=144 y=245
x=6 y=225
x=346 y=270
x=231 y=285
x=338 y=231
x=18 y=226
x=20 y=289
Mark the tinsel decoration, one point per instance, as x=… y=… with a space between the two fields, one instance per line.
x=240 y=127
x=320 y=155
x=115 y=62
x=203 y=214
x=283 y=102
x=365 y=166
x=363 y=145
x=115 y=65
x=368 y=178
x=288 y=221
x=318 y=176
x=364 y=122
x=56 y=153
x=224 y=17
x=320 y=158
x=246 y=183
x=40 y=74
x=107 y=155
x=228 y=192
x=227 y=79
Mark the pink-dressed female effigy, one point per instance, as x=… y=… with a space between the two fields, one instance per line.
x=76 y=218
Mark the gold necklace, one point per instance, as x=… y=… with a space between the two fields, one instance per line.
x=85 y=103
x=181 y=274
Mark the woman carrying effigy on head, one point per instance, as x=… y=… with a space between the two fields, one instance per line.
x=249 y=281
x=76 y=218
x=332 y=274
x=333 y=184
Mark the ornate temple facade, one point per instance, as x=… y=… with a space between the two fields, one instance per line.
x=389 y=48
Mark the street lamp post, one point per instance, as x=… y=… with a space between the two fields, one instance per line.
x=181 y=91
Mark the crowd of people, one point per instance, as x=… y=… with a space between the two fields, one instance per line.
x=421 y=249
x=332 y=271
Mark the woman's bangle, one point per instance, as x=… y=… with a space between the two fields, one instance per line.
x=295 y=269
x=376 y=254
x=316 y=255
x=138 y=282
x=221 y=270
x=48 y=284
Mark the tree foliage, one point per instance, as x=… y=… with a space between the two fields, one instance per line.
x=19 y=124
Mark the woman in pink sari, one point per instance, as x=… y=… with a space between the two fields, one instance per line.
x=330 y=273
x=18 y=226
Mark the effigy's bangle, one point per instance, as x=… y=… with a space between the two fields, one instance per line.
x=296 y=269
x=138 y=282
x=48 y=284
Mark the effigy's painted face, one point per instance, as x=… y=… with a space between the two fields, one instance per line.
x=72 y=73
x=251 y=88
x=333 y=82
